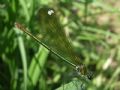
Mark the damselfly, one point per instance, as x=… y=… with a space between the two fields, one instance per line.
x=54 y=38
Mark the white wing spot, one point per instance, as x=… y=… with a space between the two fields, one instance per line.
x=50 y=12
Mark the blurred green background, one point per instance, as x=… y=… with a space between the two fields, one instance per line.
x=91 y=25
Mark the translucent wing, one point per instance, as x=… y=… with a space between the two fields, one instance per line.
x=54 y=36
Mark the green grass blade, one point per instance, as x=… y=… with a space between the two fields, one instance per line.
x=24 y=59
x=37 y=66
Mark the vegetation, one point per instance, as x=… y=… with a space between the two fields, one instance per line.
x=91 y=26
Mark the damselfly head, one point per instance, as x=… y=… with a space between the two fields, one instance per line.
x=81 y=69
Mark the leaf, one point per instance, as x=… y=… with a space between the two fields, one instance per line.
x=73 y=85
